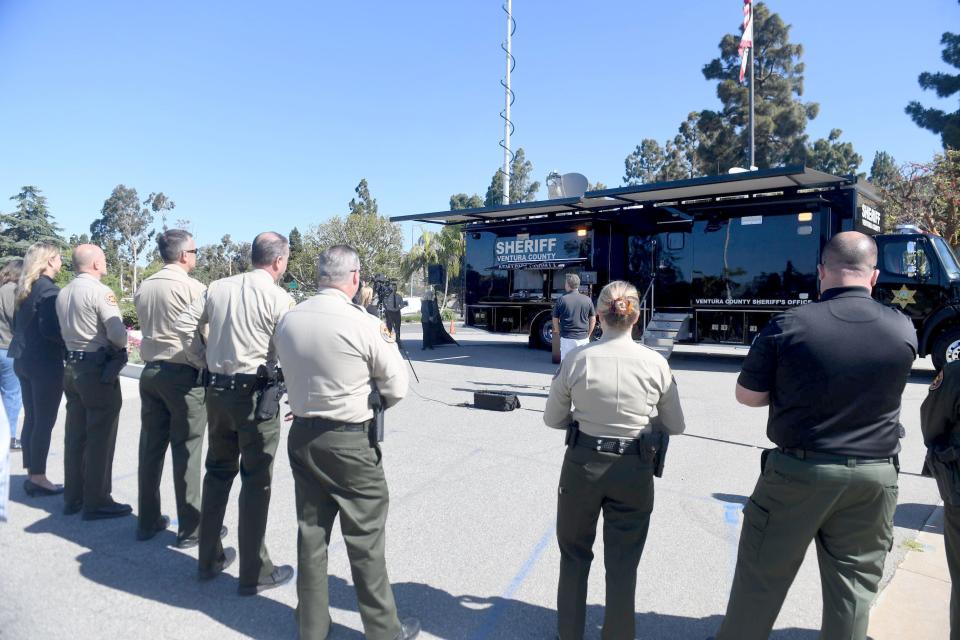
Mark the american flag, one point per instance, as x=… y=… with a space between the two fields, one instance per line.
x=746 y=42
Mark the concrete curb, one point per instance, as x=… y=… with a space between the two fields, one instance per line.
x=915 y=603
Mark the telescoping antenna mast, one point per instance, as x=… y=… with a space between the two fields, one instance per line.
x=508 y=100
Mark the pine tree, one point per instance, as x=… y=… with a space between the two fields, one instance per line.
x=947 y=125
x=780 y=118
x=30 y=222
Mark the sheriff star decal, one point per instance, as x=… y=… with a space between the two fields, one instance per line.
x=904 y=297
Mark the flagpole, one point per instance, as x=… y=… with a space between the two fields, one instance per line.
x=751 y=86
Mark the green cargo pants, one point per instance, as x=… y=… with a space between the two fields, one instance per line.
x=847 y=509
x=172 y=413
x=621 y=486
x=337 y=471
x=90 y=435
x=238 y=443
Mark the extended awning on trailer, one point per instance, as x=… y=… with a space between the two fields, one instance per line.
x=678 y=191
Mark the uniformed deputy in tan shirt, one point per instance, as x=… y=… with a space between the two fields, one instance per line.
x=242 y=312
x=90 y=321
x=615 y=387
x=90 y=315
x=333 y=353
x=611 y=388
x=172 y=410
x=160 y=300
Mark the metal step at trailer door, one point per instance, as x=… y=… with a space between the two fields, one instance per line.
x=662 y=331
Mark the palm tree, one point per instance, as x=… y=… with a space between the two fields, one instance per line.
x=450 y=253
x=445 y=248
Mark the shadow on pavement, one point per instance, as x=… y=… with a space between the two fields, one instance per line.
x=155 y=570
x=466 y=617
x=911 y=515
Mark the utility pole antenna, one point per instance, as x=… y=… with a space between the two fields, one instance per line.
x=508 y=101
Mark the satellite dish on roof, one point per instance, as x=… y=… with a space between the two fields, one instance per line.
x=568 y=185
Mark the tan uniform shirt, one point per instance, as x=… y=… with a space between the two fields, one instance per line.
x=614 y=385
x=8 y=299
x=333 y=354
x=242 y=313
x=160 y=300
x=89 y=315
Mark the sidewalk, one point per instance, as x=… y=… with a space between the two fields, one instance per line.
x=916 y=602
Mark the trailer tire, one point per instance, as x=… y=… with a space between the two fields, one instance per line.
x=946 y=348
x=541 y=335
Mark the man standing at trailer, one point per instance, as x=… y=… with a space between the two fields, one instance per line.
x=96 y=342
x=832 y=374
x=172 y=411
x=574 y=317
x=242 y=313
x=336 y=356
x=392 y=304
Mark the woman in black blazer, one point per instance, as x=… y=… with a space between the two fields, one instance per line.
x=37 y=349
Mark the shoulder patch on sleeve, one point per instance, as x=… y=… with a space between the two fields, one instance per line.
x=386 y=334
x=937 y=381
x=111 y=299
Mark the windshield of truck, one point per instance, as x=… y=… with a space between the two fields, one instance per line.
x=947 y=257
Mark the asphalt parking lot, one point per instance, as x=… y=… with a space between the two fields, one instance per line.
x=470 y=537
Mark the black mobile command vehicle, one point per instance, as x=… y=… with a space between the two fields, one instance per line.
x=713 y=258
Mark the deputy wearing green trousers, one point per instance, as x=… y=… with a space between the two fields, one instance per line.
x=90 y=322
x=940 y=422
x=335 y=355
x=172 y=411
x=832 y=373
x=242 y=313
x=614 y=386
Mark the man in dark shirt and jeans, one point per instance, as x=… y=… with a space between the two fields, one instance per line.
x=574 y=317
x=833 y=374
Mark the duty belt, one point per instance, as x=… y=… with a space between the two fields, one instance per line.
x=817 y=456
x=223 y=382
x=77 y=356
x=323 y=424
x=620 y=446
x=172 y=366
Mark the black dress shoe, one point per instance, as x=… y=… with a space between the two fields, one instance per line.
x=192 y=541
x=409 y=628
x=33 y=489
x=146 y=534
x=15 y=444
x=113 y=510
x=229 y=555
x=280 y=575
x=71 y=508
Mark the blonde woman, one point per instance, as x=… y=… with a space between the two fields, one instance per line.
x=366 y=300
x=9 y=384
x=37 y=350
x=611 y=388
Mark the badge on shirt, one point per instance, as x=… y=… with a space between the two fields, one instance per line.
x=937 y=381
x=112 y=300
x=386 y=334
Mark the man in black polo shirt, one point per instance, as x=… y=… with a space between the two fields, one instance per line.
x=833 y=374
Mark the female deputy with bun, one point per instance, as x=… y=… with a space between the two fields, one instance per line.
x=37 y=350
x=619 y=392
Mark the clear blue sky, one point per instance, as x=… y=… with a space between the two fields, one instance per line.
x=265 y=115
